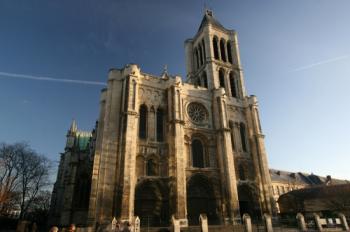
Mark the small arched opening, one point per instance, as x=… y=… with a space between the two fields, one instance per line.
x=216 y=48
x=197 y=153
x=160 y=125
x=242 y=131
x=233 y=85
x=204 y=55
x=229 y=52
x=200 y=55
x=222 y=78
x=152 y=167
x=143 y=122
x=222 y=50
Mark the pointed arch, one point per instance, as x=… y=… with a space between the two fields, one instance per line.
x=143 y=122
x=152 y=203
x=233 y=85
x=222 y=78
x=152 y=167
x=241 y=172
x=216 y=48
x=222 y=50
x=229 y=52
x=201 y=199
x=197 y=153
x=248 y=201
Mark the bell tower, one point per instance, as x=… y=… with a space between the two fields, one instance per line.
x=212 y=58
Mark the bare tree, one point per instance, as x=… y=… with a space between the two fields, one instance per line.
x=8 y=174
x=25 y=173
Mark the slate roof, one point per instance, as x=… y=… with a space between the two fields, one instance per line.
x=301 y=178
x=208 y=18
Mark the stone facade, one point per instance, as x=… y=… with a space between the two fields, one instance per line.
x=165 y=147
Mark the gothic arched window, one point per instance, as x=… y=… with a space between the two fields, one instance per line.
x=242 y=131
x=143 y=122
x=222 y=50
x=229 y=52
x=233 y=85
x=241 y=172
x=205 y=79
x=151 y=168
x=160 y=127
x=215 y=47
x=197 y=154
x=222 y=78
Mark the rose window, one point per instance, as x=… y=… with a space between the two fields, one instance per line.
x=197 y=112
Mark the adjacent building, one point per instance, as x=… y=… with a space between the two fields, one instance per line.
x=284 y=182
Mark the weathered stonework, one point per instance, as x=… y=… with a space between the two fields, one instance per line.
x=163 y=147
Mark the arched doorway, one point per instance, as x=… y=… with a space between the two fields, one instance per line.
x=151 y=204
x=248 y=202
x=200 y=199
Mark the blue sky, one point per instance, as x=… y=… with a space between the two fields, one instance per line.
x=295 y=55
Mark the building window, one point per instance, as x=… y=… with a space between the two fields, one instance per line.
x=229 y=52
x=197 y=112
x=233 y=85
x=215 y=47
x=160 y=125
x=204 y=55
x=222 y=50
x=151 y=168
x=241 y=172
x=205 y=79
x=222 y=78
x=197 y=154
x=200 y=55
x=143 y=122
x=197 y=58
x=243 y=137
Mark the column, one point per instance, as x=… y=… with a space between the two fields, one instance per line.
x=226 y=157
x=178 y=149
x=129 y=155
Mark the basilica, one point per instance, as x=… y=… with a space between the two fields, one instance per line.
x=166 y=146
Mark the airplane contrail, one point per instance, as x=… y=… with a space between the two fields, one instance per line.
x=321 y=63
x=39 y=78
